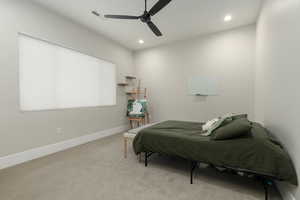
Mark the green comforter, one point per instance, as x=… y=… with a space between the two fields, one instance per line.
x=257 y=152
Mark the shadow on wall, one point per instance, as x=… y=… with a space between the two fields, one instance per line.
x=199 y=98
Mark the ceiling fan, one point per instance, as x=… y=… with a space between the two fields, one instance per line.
x=146 y=16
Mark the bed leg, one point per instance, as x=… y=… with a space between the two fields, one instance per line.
x=125 y=147
x=193 y=166
x=266 y=184
x=146 y=159
x=266 y=193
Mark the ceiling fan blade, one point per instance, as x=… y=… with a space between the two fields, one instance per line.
x=121 y=17
x=154 y=28
x=158 y=6
x=95 y=13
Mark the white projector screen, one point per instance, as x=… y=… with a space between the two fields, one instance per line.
x=53 y=77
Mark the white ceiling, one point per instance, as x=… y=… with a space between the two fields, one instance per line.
x=181 y=19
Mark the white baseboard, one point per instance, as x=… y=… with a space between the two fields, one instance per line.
x=284 y=191
x=18 y=158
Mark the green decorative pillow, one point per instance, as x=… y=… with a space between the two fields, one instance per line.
x=236 y=128
x=232 y=117
x=239 y=116
x=222 y=121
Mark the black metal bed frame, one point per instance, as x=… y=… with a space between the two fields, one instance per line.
x=266 y=180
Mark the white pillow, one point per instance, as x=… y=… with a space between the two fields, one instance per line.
x=209 y=124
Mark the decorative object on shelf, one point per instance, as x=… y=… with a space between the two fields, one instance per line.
x=202 y=86
x=137 y=111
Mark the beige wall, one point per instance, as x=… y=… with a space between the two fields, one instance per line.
x=21 y=131
x=278 y=96
x=228 y=55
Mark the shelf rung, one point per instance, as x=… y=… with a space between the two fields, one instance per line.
x=130 y=77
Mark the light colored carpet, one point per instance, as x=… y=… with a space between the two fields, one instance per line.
x=97 y=170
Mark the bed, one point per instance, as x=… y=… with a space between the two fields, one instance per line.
x=256 y=153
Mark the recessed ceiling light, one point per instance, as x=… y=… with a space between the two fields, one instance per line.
x=227 y=18
x=141 y=41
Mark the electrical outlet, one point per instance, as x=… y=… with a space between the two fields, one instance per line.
x=59 y=130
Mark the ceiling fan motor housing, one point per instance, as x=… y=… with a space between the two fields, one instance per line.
x=146 y=17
